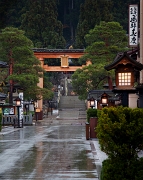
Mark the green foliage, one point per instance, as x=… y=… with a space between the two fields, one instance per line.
x=13 y=12
x=0 y=121
x=98 y=113
x=88 y=78
x=117 y=169
x=41 y=24
x=120 y=132
x=91 y=13
x=91 y=113
x=15 y=49
x=68 y=14
x=122 y=16
x=105 y=41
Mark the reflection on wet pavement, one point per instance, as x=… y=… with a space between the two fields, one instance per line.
x=53 y=152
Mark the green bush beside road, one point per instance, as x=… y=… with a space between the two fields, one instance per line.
x=91 y=113
x=120 y=134
x=119 y=169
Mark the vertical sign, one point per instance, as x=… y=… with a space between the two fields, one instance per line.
x=64 y=61
x=133 y=25
x=21 y=108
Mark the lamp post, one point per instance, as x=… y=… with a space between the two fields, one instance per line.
x=104 y=99
x=18 y=104
x=92 y=102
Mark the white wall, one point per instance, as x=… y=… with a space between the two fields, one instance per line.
x=133 y=100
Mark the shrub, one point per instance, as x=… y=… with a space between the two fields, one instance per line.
x=120 y=131
x=116 y=169
x=98 y=113
x=91 y=113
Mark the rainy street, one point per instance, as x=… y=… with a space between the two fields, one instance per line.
x=48 y=150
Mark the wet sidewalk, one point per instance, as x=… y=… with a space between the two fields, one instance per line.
x=8 y=129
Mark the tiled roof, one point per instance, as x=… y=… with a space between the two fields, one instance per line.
x=2 y=95
x=96 y=94
x=119 y=57
x=56 y=50
x=3 y=64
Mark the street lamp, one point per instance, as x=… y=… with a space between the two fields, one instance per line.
x=92 y=102
x=18 y=104
x=104 y=99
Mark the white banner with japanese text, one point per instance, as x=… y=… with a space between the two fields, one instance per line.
x=133 y=25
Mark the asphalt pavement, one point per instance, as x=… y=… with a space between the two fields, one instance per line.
x=72 y=117
x=66 y=118
x=54 y=148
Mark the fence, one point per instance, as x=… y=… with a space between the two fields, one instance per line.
x=10 y=119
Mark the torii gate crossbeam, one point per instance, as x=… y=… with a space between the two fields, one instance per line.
x=63 y=54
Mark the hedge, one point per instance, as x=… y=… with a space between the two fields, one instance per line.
x=120 y=134
x=91 y=113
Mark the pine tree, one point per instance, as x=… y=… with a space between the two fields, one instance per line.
x=103 y=43
x=41 y=25
x=68 y=14
x=91 y=13
x=121 y=11
x=24 y=67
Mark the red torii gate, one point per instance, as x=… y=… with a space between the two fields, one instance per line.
x=64 y=55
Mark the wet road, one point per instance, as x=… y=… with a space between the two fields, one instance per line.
x=47 y=151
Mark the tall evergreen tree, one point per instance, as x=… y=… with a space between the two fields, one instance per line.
x=104 y=42
x=68 y=14
x=5 y=8
x=91 y=13
x=41 y=25
x=121 y=11
x=24 y=67
x=15 y=12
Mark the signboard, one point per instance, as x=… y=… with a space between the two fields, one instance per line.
x=64 y=61
x=133 y=25
x=6 y=111
x=11 y=111
x=21 y=108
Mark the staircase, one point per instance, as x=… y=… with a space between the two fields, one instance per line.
x=71 y=108
x=71 y=102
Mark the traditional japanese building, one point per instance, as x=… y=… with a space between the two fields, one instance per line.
x=127 y=77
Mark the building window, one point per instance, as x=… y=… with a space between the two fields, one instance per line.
x=124 y=79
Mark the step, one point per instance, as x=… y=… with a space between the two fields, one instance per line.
x=71 y=102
